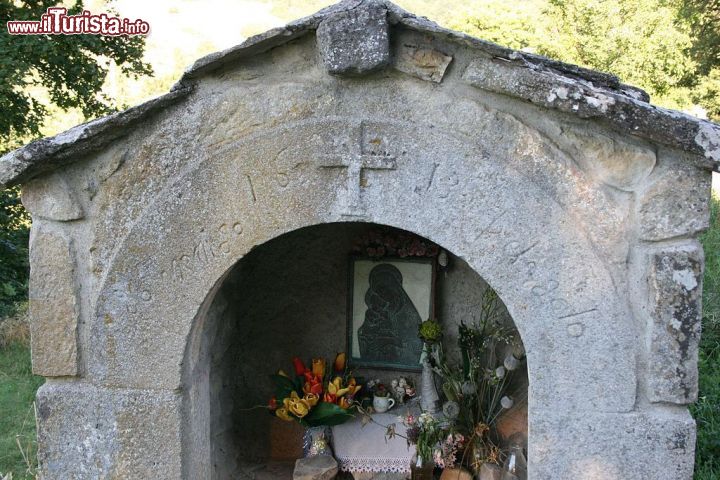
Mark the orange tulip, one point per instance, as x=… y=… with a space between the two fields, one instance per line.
x=340 y=360
x=329 y=397
x=318 y=367
x=344 y=403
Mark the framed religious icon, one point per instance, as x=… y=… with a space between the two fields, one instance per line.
x=388 y=299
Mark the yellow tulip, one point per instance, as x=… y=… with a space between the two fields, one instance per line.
x=353 y=386
x=296 y=405
x=318 y=367
x=311 y=399
x=299 y=408
x=288 y=401
x=337 y=386
x=334 y=386
x=283 y=414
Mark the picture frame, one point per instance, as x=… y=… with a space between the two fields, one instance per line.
x=387 y=300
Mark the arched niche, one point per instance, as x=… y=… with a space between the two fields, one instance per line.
x=289 y=297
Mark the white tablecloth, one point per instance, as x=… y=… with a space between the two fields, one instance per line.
x=365 y=449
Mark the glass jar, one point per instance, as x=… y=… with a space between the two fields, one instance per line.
x=421 y=469
x=515 y=467
x=317 y=441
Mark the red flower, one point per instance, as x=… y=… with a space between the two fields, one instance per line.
x=313 y=384
x=300 y=368
x=273 y=404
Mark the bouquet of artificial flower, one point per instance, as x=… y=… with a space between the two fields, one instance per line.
x=315 y=397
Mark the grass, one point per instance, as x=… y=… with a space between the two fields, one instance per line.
x=17 y=393
x=707 y=410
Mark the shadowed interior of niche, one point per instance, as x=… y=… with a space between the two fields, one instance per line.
x=289 y=297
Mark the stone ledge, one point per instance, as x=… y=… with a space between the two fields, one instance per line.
x=584 y=99
x=48 y=154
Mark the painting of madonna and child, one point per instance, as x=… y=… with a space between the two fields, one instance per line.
x=389 y=299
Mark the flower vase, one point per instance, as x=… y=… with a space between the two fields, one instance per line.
x=317 y=441
x=429 y=398
x=421 y=469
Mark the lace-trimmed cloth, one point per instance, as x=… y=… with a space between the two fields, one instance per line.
x=365 y=449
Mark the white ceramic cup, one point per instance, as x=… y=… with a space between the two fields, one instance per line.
x=383 y=404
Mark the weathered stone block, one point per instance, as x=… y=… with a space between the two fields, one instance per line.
x=355 y=42
x=675 y=287
x=676 y=203
x=603 y=446
x=619 y=163
x=318 y=467
x=54 y=306
x=88 y=432
x=424 y=63
x=52 y=198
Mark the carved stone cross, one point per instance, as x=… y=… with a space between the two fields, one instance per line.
x=356 y=161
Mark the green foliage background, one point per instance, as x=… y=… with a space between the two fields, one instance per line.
x=14 y=223
x=41 y=74
x=707 y=409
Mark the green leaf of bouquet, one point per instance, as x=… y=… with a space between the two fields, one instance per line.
x=299 y=382
x=328 y=414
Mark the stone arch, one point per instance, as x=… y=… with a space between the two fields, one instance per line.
x=466 y=197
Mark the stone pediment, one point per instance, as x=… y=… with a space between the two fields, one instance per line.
x=355 y=37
